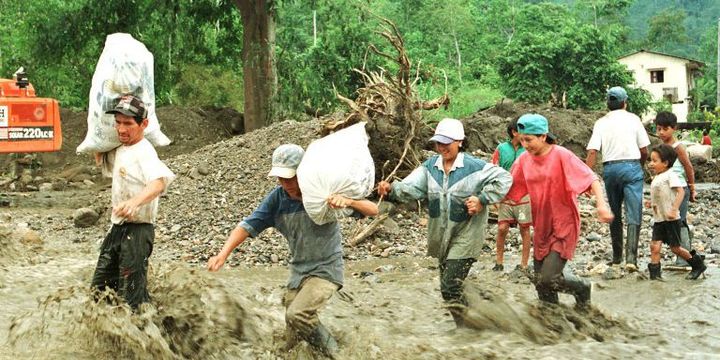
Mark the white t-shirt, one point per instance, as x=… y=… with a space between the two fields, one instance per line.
x=133 y=167
x=662 y=195
x=619 y=135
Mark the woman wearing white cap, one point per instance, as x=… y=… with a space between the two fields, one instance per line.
x=458 y=188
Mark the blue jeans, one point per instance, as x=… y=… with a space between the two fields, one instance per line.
x=624 y=184
x=684 y=206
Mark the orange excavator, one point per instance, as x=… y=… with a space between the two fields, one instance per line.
x=28 y=124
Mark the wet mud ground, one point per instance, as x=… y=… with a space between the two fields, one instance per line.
x=388 y=309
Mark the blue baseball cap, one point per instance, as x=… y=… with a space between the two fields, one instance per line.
x=617 y=93
x=285 y=160
x=532 y=124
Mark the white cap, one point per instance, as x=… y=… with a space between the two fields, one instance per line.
x=448 y=130
x=285 y=160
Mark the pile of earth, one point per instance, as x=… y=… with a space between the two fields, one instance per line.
x=487 y=128
x=572 y=129
x=223 y=183
x=188 y=128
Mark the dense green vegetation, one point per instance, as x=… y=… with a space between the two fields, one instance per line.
x=559 y=51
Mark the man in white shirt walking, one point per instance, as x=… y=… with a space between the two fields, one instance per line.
x=138 y=179
x=623 y=141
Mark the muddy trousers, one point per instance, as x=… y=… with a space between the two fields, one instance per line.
x=452 y=275
x=550 y=278
x=301 y=312
x=123 y=262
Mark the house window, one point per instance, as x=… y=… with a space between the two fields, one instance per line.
x=670 y=94
x=657 y=76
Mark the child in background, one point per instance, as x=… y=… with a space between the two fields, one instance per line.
x=554 y=177
x=706 y=138
x=510 y=212
x=666 y=124
x=666 y=195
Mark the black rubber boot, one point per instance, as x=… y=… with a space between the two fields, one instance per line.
x=323 y=341
x=459 y=317
x=580 y=288
x=548 y=296
x=616 y=235
x=655 y=271
x=631 y=247
x=685 y=243
x=698 y=266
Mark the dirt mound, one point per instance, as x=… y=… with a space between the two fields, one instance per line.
x=706 y=171
x=190 y=129
x=487 y=128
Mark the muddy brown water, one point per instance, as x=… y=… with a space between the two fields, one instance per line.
x=388 y=309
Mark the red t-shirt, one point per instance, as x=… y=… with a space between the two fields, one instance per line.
x=706 y=140
x=553 y=181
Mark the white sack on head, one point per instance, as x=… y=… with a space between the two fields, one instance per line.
x=339 y=163
x=125 y=67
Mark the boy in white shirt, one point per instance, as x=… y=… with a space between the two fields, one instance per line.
x=139 y=177
x=666 y=195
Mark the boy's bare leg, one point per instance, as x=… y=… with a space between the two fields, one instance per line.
x=503 y=229
x=526 y=242
x=679 y=251
x=655 y=247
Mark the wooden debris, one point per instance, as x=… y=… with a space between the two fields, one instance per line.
x=368 y=230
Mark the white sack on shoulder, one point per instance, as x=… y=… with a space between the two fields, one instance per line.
x=698 y=151
x=125 y=67
x=339 y=163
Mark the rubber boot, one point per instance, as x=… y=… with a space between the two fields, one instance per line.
x=655 y=271
x=548 y=296
x=686 y=243
x=323 y=341
x=458 y=317
x=698 y=266
x=631 y=247
x=580 y=288
x=616 y=235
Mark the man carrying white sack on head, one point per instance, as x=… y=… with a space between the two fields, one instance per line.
x=458 y=188
x=138 y=180
x=316 y=266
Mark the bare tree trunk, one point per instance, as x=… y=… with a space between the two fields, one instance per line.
x=459 y=58
x=258 y=56
x=314 y=27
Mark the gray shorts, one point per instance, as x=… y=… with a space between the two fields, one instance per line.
x=515 y=213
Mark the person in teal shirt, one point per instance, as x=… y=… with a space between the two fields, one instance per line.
x=509 y=212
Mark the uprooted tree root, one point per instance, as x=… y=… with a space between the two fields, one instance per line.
x=392 y=110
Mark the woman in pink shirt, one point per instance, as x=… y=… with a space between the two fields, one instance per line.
x=554 y=177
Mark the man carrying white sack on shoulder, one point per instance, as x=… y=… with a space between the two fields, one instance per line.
x=458 y=188
x=316 y=266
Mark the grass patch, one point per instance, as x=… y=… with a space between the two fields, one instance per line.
x=464 y=101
